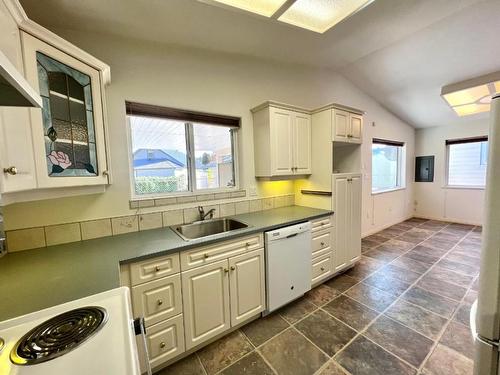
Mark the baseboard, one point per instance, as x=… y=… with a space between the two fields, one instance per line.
x=378 y=229
x=451 y=220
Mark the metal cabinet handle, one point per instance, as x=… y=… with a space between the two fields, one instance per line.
x=248 y=244
x=157 y=268
x=10 y=170
x=162 y=344
x=322 y=268
x=205 y=255
x=233 y=268
x=105 y=173
x=160 y=302
x=322 y=244
x=226 y=270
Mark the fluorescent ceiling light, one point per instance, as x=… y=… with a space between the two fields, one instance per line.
x=472 y=96
x=315 y=15
x=321 y=15
x=263 y=7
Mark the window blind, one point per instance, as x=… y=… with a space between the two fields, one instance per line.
x=387 y=142
x=148 y=110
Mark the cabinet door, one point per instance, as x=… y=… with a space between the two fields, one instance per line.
x=321 y=268
x=157 y=300
x=340 y=125
x=341 y=208
x=68 y=133
x=206 y=302
x=355 y=128
x=247 y=286
x=164 y=341
x=281 y=142
x=302 y=144
x=16 y=149
x=355 y=218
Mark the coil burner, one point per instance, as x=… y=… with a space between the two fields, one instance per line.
x=58 y=335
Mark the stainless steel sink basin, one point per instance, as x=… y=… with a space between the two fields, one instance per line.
x=205 y=228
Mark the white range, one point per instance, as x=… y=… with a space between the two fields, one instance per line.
x=93 y=335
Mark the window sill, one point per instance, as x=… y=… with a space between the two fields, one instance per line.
x=388 y=190
x=168 y=200
x=457 y=187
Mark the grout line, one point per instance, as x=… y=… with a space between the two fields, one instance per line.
x=398 y=298
x=435 y=342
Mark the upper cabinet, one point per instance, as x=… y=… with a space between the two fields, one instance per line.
x=282 y=140
x=62 y=145
x=68 y=132
x=347 y=126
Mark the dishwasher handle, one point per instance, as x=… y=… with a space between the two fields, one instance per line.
x=291 y=235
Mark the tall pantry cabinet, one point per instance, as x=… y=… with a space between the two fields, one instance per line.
x=336 y=167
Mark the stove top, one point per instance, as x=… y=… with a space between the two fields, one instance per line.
x=58 y=335
x=91 y=335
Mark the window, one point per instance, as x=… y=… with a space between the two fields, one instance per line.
x=467 y=161
x=387 y=165
x=180 y=152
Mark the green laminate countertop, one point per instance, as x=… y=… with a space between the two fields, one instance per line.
x=36 y=279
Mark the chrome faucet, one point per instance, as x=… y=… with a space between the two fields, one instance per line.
x=204 y=215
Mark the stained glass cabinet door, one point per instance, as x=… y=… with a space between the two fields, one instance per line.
x=68 y=133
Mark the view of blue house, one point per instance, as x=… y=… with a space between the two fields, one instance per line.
x=157 y=163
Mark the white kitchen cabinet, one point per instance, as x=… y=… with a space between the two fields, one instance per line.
x=27 y=165
x=282 y=140
x=356 y=128
x=164 y=341
x=221 y=295
x=206 y=302
x=17 y=165
x=347 y=126
x=247 y=286
x=68 y=132
x=157 y=300
x=346 y=190
x=323 y=251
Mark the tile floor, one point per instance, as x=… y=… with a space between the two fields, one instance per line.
x=403 y=309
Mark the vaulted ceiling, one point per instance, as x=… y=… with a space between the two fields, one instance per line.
x=400 y=52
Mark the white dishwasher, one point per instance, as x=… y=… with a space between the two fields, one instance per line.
x=288 y=264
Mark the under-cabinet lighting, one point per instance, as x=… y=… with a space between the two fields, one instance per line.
x=472 y=96
x=321 y=15
x=314 y=15
x=263 y=7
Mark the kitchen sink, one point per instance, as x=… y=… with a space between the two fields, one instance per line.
x=206 y=228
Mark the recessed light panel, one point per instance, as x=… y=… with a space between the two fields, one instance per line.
x=472 y=100
x=263 y=7
x=321 y=15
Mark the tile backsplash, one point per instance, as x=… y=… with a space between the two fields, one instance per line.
x=32 y=238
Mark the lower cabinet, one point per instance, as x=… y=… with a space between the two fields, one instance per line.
x=206 y=302
x=164 y=340
x=247 y=286
x=322 y=257
x=220 y=295
x=185 y=307
x=346 y=189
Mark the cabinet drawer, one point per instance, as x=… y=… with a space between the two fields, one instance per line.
x=154 y=268
x=321 y=240
x=157 y=300
x=322 y=223
x=213 y=253
x=165 y=340
x=321 y=268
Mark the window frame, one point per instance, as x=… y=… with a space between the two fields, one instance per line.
x=401 y=165
x=176 y=114
x=448 y=143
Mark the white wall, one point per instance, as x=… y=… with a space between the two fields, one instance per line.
x=216 y=83
x=432 y=199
